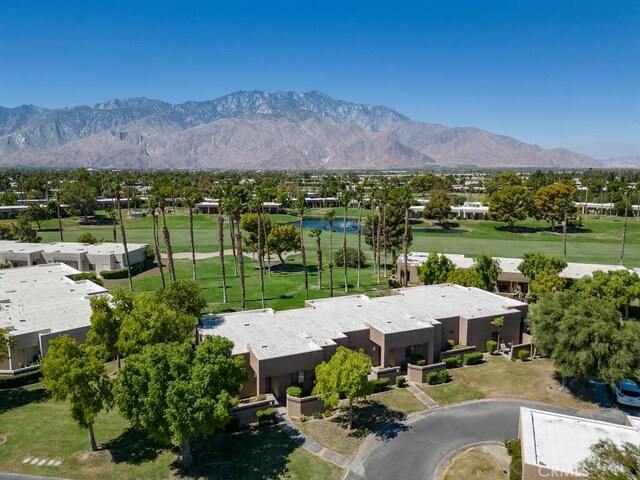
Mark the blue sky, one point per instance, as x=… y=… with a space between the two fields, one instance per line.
x=556 y=73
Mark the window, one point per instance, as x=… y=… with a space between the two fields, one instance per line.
x=297 y=378
x=410 y=351
x=92 y=266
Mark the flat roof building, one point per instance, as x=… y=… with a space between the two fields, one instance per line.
x=553 y=445
x=85 y=257
x=282 y=348
x=40 y=303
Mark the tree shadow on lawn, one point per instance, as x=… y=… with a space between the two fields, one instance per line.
x=19 y=397
x=525 y=229
x=371 y=417
x=258 y=454
x=576 y=387
x=134 y=446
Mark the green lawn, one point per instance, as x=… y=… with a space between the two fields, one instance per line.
x=502 y=378
x=400 y=400
x=35 y=426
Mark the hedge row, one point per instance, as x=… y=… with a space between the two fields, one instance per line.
x=435 y=378
x=267 y=416
x=136 y=268
x=514 y=450
x=379 y=384
x=453 y=362
x=15 y=381
x=474 y=358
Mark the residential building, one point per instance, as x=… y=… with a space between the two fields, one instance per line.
x=40 y=303
x=283 y=348
x=553 y=445
x=85 y=257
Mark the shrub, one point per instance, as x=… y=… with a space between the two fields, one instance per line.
x=523 y=355
x=514 y=450
x=303 y=417
x=294 y=391
x=474 y=358
x=20 y=380
x=352 y=258
x=443 y=376
x=317 y=415
x=5 y=265
x=492 y=346
x=258 y=398
x=450 y=344
x=379 y=384
x=267 y=416
x=328 y=413
x=414 y=359
x=114 y=274
x=421 y=363
x=400 y=381
x=233 y=424
x=453 y=362
x=435 y=378
x=393 y=283
x=87 y=238
x=87 y=276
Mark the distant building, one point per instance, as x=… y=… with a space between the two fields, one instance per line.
x=553 y=445
x=38 y=304
x=283 y=348
x=81 y=256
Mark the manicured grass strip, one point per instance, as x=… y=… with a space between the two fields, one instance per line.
x=474 y=464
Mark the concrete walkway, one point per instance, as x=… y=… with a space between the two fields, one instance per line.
x=423 y=397
x=297 y=436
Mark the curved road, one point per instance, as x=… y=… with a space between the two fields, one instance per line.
x=415 y=448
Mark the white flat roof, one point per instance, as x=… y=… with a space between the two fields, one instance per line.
x=272 y=334
x=44 y=298
x=69 y=247
x=562 y=441
x=510 y=265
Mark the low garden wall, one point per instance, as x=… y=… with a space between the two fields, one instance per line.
x=306 y=406
x=246 y=412
x=457 y=351
x=388 y=372
x=516 y=348
x=417 y=373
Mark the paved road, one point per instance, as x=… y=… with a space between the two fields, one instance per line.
x=414 y=450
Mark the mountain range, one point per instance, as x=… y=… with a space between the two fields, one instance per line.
x=255 y=130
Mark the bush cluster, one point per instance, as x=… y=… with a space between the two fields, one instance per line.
x=267 y=416
x=20 y=380
x=87 y=276
x=294 y=391
x=450 y=344
x=474 y=358
x=400 y=380
x=524 y=355
x=114 y=274
x=492 y=346
x=514 y=450
x=435 y=378
x=453 y=362
x=379 y=384
x=352 y=258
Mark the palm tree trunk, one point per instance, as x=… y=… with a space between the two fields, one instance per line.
x=59 y=217
x=93 y=446
x=359 y=240
x=185 y=453
x=624 y=227
x=260 y=259
x=232 y=232
x=156 y=246
x=378 y=237
x=193 y=246
x=564 y=236
x=384 y=237
x=167 y=244
x=304 y=257
x=243 y=290
x=319 y=263
x=344 y=248
x=221 y=255
x=266 y=242
x=405 y=245
x=374 y=232
x=331 y=259
x=124 y=242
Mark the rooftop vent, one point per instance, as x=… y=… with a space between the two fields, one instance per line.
x=265 y=346
x=247 y=324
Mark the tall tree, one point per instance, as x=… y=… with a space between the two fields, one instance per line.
x=124 y=242
x=79 y=198
x=330 y=217
x=221 y=255
x=303 y=254
x=439 y=205
x=405 y=200
x=156 y=244
x=346 y=200
x=316 y=233
x=488 y=269
x=534 y=263
x=59 y=215
x=435 y=269
x=624 y=225
x=619 y=287
x=344 y=376
x=554 y=203
x=359 y=196
x=509 y=204
x=72 y=373
x=178 y=393
x=167 y=242
x=192 y=196
x=243 y=289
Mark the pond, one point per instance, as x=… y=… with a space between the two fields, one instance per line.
x=338 y=225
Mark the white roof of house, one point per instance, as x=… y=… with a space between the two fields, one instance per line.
x=510 y=265
x=561 y=441
x=270 y=334
x=43 y=298
x=69 y=247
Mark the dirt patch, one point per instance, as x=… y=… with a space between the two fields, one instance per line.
x=479 y=463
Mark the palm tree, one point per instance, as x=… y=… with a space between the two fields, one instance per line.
x=221 y=254
x=316 y=233
x=243 y=290
x=346 y=198
x=360 y=199
x=405 y=200
x=59 y=215
x=302 y=251
x=229 y=206
x=124 y=242
x=156 y=244
x=191 y=197
x=256 y=204
x=624 y=227
x=167 y=242
x=330 y=216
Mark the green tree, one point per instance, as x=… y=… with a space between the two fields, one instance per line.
x=150 y=322
x=344 y=376
x=105 y=327
x=330 y=217
x=439 y=205
x=72 y=373
x=22 y=230
x=534 y=263
x=87 y=237
x=546 y=282
x=499 y=324
x=6 y=342
x=80 y=198
x=37 y=213
x=183 y=296
x=435 y=269
x=353 y=260
x=609 y=461
x=503 y=180
x=554 y=203
x=619 y=287
x=178 y=393
x=284 y=238
x=509 y=205
x=488 y=269
x=467 y=277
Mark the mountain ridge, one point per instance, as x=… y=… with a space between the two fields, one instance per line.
x=279 y=130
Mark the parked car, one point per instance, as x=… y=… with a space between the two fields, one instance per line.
x=626 y=392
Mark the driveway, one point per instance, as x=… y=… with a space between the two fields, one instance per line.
x=417 y=448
